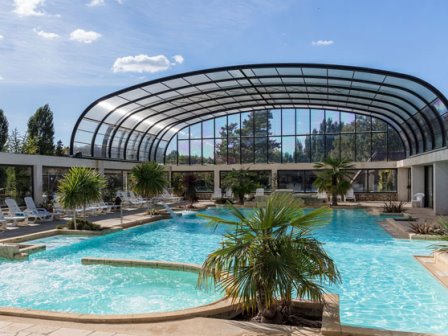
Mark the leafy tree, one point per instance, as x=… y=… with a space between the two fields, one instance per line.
x=333 y=177
x=190 y=182
x=3 y=131
x=30 y=145
x=15 y=142
x=241 y=181
x=270 y=257
x=80 y=186
x=149 y=179
x=60 y=150
x=41 y=128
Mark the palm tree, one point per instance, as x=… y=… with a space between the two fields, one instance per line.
x=149 y=179
x=443 y=247
x=270 y=257
x=241 y=181
x=190 y=181
x=80 y=186
x=334 y=177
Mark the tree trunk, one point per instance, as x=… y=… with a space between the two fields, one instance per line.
x=334 y=195
x=74 y=219
x=241 y=199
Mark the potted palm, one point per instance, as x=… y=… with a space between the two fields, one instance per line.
x=334 y=178
x=270 y=257
x=79 y=187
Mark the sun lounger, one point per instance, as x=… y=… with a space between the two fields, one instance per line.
x=40 y=213
x=14 y=211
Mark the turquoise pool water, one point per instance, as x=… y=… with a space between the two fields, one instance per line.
x=383 y=285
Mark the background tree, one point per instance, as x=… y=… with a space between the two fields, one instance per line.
x=15 y=142
x=79 y=187
x=60 y=151
x=3 y=131
x=149 y=179
x=30 y=145
x=190 y=182
x=41 y=128
x=333 y=177
x=270 y=257
x=241 y=182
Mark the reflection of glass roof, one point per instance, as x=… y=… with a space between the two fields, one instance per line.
x=137 y=123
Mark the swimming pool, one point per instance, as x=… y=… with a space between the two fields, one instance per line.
x=383 y=285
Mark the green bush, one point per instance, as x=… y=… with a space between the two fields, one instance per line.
x=83 y=225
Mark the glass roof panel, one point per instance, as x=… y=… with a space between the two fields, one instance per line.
x=369 y=76
x=340 y=73
x=134 y=94
x=321 y=72
x=413 y=86
x=265 y=72
x=219 y=75
x=155 y=88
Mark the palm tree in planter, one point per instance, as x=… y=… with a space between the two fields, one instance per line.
x=190 y=182
x=79 y=187
x=241 y=181
x=334 y=178
x=149 y=179
x=270 y=257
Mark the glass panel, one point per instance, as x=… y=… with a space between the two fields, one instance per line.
x=303 y=149
x=275 y=117
x=310 y=177
x=171 y=152
x=247 y=150
x=275 y=149
x=233 y=150
x=333 y=146
x=208 y=128
x=363 y=147
x=15 y=182
x=347 y=122
x=247 y=124
x=261 y=150
x=184 y=133
x=195 y=152
x=317 y=148
x=379 y=151
x=378 y=125
x=348 y=147
x=221 y=151
x=288 y=122
x=233 y=125
x=363 y=123
x=291 y=179
x=195 y=131
x=184 y=151
x=382 y=180
x=359 y=180
x=317 y=121
x=303 y=121
x=261 y=123
x=288 y=147
x=208 y=152
x=396 y=149
x=220 y=127
x=332 y=122
x=264 y=179
x=439 y=106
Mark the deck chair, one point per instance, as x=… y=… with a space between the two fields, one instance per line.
x=12 y=222
x=259 y=192
x=322 y=195
x=228 y=194
x=40 y=213
x=417 y=200
x=14 y=211
x=350 y=195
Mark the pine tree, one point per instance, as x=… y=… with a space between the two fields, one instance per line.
x=3 y=131
x=41 y=129
x=59 y=149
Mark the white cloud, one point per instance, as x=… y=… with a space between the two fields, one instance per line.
x=1 y=37
x=81 y=35
x=46 y=35
x=29 y=7
x=142 y=63
x=322 y=43
x=94 y=3
x=179 y=59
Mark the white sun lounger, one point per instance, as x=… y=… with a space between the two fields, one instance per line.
x=40 y=213
x=14 y=211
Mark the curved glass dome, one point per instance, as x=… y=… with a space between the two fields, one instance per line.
x=137 y=123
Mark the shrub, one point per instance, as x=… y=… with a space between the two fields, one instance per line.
x=427 y=229
x=83 y=225
x=393 y=207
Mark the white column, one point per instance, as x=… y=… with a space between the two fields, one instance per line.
x=37 y=183
x=100 y=166
x=274 y=179
x=402 y=184
x=440 y=188
x=417 y=180
x=216 y=179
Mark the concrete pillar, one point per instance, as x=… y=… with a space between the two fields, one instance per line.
x=38 y=183
x=274 y=179
x=100 y=166
x=402 y=184
x=440 y=188
x=417 y=180
x=125 y=180
x=216 y=179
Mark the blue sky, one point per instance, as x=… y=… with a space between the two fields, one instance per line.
x=69 y=53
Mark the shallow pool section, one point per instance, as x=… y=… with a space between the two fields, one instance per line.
x=383 y=285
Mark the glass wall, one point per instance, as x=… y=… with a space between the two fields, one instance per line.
x=15 y=182
x=205 y=181
x=285 y=136
x=51 y=177
x=263 y=179
x=363 y=180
